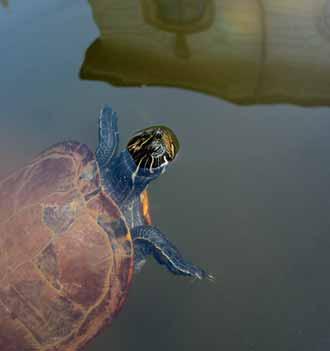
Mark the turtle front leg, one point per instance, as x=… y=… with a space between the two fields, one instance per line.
x=108 y=136
x=149 y=240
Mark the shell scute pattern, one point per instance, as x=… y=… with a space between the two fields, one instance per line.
x=63 y=274
x=44 y=311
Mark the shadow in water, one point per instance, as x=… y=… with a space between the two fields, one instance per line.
x=247 y=51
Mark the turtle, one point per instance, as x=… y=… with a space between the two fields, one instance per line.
x=74 y=227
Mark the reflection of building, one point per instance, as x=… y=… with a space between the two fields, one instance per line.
x=246 y=51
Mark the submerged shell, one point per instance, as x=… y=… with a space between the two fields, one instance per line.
x=65 y=253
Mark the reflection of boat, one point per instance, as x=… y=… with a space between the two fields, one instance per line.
x=245 y=51
x=180 y=17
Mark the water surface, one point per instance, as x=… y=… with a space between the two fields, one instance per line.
x=248 y=197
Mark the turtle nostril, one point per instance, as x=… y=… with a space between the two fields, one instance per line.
x=158 y=134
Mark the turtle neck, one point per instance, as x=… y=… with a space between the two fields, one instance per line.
x=124 y=180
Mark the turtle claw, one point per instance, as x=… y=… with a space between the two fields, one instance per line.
x=211 y=278
x=201 y=274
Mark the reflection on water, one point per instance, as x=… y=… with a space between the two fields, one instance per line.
x=4 y=3
x=323 y=21
x=246 y=51
x=249 y=194
x=180 y=18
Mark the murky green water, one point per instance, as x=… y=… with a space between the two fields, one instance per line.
x=247 y=199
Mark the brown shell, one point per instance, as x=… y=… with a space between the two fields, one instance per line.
x=65 y=253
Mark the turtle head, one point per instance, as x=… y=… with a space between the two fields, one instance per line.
x=153 y=148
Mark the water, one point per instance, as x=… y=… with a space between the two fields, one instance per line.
x=248 y=197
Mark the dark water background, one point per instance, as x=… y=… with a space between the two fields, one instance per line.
x=248 y=198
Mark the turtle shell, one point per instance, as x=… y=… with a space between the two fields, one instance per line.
x=66 y=253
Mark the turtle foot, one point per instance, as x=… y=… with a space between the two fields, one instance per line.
x=149 y=240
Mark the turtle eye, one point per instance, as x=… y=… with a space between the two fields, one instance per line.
x=153 y=147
